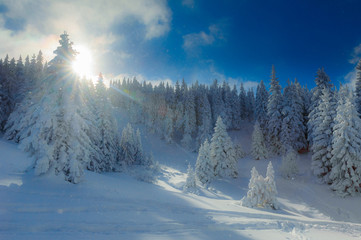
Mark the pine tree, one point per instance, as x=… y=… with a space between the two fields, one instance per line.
x=204 y=164
x=191 y=183
x=205 y=119
x=322 y=141
x=289 y=167
x=242 y=102
x=274 y=114
x=222 y=152
x=250 y=102
x=259 y=149
x=254 y=197
x=271 y=190
x=168 y=126
x=262 y=191
x=189 y=121
x=261 y=106
x=236 y=111
x=358 y=87
x=322 y=81
x=293 y=130
x=54 y=129
x=227 y=99
x=216 y=101
x=346 y=147
x=106 y=137
x=127 y=147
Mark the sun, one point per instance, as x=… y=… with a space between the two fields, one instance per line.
x=83 y=63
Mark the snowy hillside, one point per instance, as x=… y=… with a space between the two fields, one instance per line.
x=116 y=206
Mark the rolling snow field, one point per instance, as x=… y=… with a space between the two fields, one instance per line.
x=117 y=206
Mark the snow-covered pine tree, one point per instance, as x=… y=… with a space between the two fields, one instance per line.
x=216 y=101
x=274 y=114
x=240 y=153
x=322 y=141
x=204 y=165
x=127 y=147
x=191 y=184
x=305 y=96
x=189 y=121
x=54 y=129
x=106 y=135
x=140 y=158
x=261 y=106
x=292 y=130
x=270 y=199
x=205 y=119
x=168 y=126
x=322 y=81
x=358 y=87
x=256 y=187
x=5 y=94
x=261 y=191
x=236 y=111
x=250 y=102
x=228 y=104
x=242 y=102
x=346 y=147
x=222 y=152
x=20 y=82
x=259 y=149
x=289 y=167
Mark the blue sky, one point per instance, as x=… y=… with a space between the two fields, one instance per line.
x=237 y=41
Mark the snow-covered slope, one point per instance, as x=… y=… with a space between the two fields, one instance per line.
x=116 y=206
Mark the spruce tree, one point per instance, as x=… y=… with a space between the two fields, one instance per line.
x=261 y=106
x=106 y=134
x=346 y=147
x=358 y=87
x=236 y=111
x=259 y=149
x=191 y=184
x=274 y=114
x=323 y=134
x=204 y=165
x=54 y=129
x=271 y=190
x=322 y=81
x=254 y=197
x=242 y=102
x=222 y=152
x=289 y=164
x=205 y=119
x=293 y=129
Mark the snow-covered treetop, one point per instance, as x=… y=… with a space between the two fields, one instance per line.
x=322 y=79
x=65 y=54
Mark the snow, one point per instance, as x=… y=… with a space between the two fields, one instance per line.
x=117 y=206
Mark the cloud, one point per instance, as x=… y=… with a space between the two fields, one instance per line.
x=356 y=55
x=194 y=40
x=88 y=22
x=350 y=79
x=188 y=3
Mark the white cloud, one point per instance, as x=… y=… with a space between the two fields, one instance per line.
x=87 y=22
x=356 y=55
x=194 y=40
x=350 y=79
x=188 y=3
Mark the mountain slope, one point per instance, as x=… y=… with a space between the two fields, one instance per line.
x=116 y=206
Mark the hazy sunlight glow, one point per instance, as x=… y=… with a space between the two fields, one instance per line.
x=83 y=62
